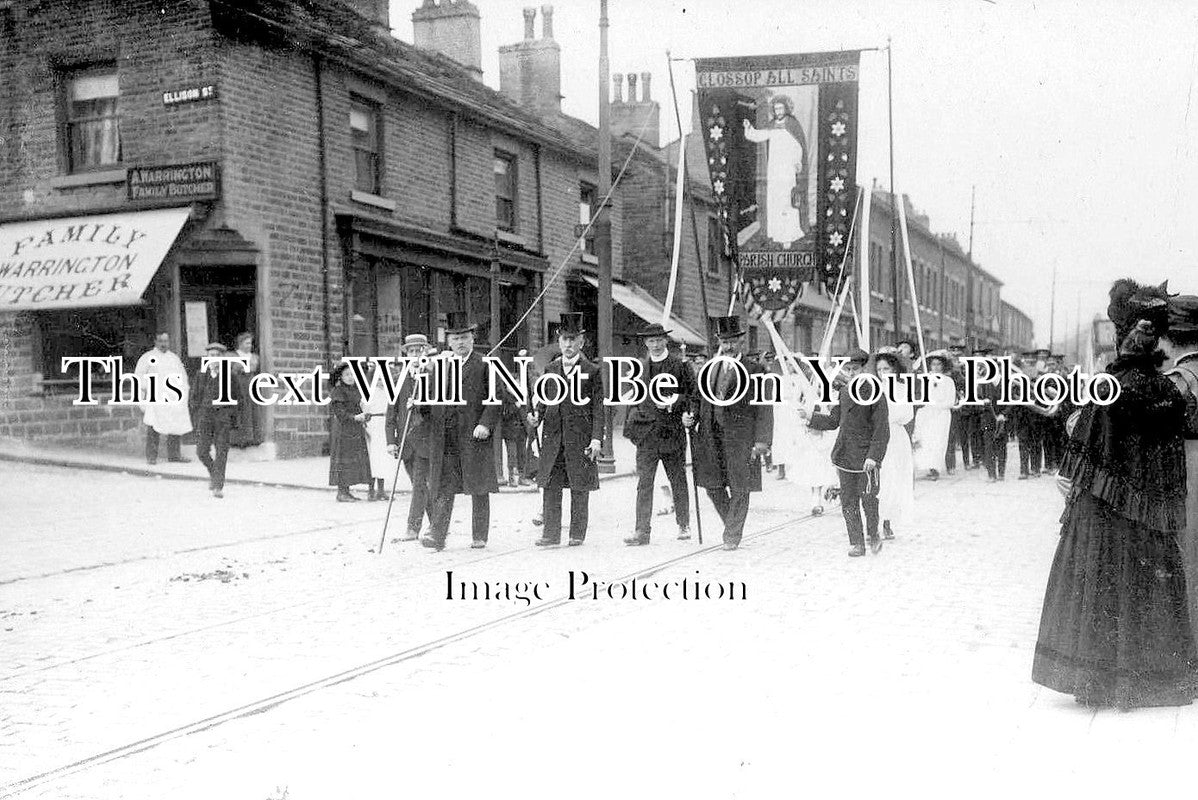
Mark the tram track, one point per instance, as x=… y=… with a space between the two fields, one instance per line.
x=407 y=654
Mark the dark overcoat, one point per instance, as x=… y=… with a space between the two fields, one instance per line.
x=349 y=460
x=727 y=459
x=415 y=444
x=659 y=430
x=864 y=431
x=477 y=456
x=569 y=429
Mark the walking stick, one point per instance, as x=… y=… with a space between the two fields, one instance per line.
x=698 y=513
x=395 y=479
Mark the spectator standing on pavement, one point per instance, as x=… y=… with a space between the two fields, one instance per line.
x=165 y=416
x=1028 y=422
x=1115 y=628
x=659 y=433
x=382 y=463
x=571 y=436
x=896 y=493
x=214 y=423
x=349 y=460
x=731 y=441
x=1180 y=344
x=992 y=420
x=248 y=432
x=864 y=432
x=461 y=453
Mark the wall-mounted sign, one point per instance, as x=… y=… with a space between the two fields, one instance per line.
x=198 y=181
x=189 y=94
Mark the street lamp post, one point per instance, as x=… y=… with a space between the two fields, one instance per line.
x=607 y=461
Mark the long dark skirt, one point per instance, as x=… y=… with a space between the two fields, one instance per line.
x=1115 y=630
x=349 y=461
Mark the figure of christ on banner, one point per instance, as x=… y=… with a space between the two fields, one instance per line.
x=784 y=187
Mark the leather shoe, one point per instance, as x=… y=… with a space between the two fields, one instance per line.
x=875 y=544
x=179 y=460
x=574 y=543
x=543 y=542
x=731 y=545
x=345 y=497
x=684 y=534
x=636 y=541
x=432 y=543
x=856 y=551
x=217 y=493
x=477 y=544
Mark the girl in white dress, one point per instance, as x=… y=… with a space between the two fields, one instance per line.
x=933 y=419
x=896 y=494
x=382 y=463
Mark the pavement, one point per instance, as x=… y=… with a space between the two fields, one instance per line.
x=159 y=643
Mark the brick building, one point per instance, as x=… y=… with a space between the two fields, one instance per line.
x=1018 y=333
x=358 y=188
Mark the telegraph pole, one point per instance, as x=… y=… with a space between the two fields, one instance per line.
x=607 y=460
x=969 y=343
x=1052 y=309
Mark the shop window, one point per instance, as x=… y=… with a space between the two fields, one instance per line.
x=505 y=190
x=93 y=132
x=364 y=129
x=95 y=332
x=587 y=205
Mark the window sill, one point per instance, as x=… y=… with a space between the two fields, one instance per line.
x=511 y=237
x=587 y=258
x=368 y=199
x=97 y=178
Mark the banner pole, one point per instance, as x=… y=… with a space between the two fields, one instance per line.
x=678 y=190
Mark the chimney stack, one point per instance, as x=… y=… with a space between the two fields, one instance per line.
x=632 y=115
x=530 y=71
x=617 y=86
x=449 y=27
x=377 y=11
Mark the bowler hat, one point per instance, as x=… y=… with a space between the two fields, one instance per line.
x=653 y=329
x=728 y=328
x=458 y=322
x=570 y=323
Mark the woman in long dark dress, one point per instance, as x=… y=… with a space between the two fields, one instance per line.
x=1115 y=629
x=349 y=460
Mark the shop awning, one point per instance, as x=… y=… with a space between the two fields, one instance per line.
x=80 y=262
x=641 y=303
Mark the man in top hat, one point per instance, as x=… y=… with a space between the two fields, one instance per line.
x=571 y=436
x=213 y=423
x=659 y=433
x=408 y=425
x=731 y=440
x=861 y=441
x=461 y=455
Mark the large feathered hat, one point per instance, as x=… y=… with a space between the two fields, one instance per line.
x=1133 y=303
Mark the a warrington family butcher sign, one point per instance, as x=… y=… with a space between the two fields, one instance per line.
x=781 y=142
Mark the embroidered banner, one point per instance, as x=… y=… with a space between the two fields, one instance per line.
x=781 y=143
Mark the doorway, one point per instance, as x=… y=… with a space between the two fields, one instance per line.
x=218 y=303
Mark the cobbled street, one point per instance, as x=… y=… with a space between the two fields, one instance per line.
x=159 y=643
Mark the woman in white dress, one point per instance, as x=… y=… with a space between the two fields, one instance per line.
x=896 y=494
x=806 y=452
x=933 y=420
x=382 y=463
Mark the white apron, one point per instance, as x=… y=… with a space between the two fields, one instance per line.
x=166 y=415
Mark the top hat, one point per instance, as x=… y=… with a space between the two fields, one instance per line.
x=1057 y=356
x=415 y=340
x=653 y=329
x=728 y=328
x=570 y=323
x=1043 y=352
x=458 y=322
x=217 y=346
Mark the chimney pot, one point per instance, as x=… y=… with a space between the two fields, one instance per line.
x=632 y=87
x=547 y=21
x=530 y=15
x=617 y=85
x=645 y=76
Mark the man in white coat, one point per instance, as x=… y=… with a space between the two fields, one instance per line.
x=166 y=415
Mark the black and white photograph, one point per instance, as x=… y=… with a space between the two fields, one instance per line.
x=662 y=399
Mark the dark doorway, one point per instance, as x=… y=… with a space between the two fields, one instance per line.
x=218 y=303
